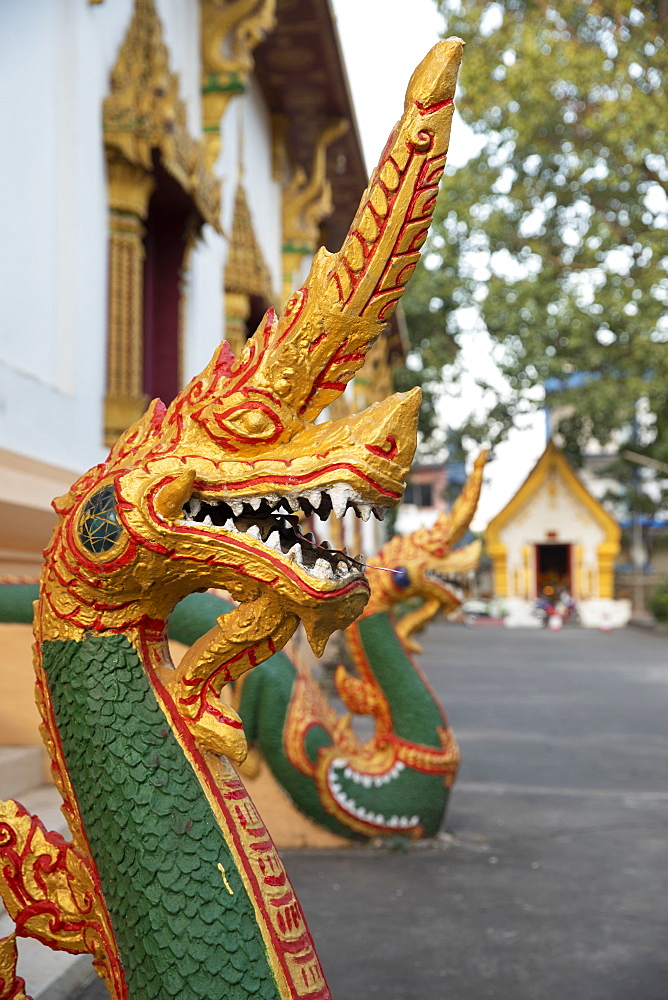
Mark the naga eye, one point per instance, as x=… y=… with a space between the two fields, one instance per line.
x=401 y=578
x=247 y=421
x=251 y=421
x=99 y=527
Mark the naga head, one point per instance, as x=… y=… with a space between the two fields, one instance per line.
x=425 y=563
x=206 y=492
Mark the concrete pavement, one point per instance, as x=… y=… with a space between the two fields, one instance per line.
x=549 y=879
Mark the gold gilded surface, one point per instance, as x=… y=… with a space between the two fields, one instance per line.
x=11 y=987
x=429 y=558
x=124 y=399
x=51 y=891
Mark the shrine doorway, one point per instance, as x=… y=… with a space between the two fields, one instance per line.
x=553 y=570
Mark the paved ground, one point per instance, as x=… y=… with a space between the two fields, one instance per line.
x=549 y=881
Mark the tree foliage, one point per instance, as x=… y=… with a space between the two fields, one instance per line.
x=554 y=235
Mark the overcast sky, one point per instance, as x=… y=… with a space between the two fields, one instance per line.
x=383 y=41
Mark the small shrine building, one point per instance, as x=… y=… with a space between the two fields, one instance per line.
x=553 y=537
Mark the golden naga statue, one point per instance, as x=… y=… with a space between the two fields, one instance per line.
x=432 y=563
x=170 y=880
x=397 y=782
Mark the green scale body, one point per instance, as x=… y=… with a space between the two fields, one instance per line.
x=156 y=844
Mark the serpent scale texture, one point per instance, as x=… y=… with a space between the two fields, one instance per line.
x=154 y=839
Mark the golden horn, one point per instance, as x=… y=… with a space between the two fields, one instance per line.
x=328 y=326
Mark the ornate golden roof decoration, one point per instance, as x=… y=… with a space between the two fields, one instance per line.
x=308 y=200
x=144 y=113
x=246 y=272
x=230 y=30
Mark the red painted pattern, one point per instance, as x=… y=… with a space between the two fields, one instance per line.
x=428 y=109
x=388 y=452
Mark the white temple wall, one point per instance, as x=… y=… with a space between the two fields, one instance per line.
x=246 y=144
x=204 y=301
x=56 y=60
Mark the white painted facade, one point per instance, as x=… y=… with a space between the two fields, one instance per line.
x=56 y=60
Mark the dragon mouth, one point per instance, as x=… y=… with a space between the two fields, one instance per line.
x=273 y=521
x=340 y=774
x=451 y=583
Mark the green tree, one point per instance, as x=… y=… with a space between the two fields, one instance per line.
x=554 y=235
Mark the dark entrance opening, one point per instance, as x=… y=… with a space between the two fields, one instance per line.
x=553 y=570
x=171 y=223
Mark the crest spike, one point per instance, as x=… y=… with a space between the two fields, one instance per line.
x=327 y=327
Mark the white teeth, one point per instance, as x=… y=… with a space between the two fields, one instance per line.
x=379 y=513
x=295 y=554
x=273 y=541
x=338 y=769
x=314 y=497
x=340 y=495
x=322 y=569
x=360 y=560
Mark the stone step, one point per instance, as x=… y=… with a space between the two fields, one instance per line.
x=49 y=975
x=21 y=769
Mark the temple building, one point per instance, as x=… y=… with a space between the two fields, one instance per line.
x=554 y=538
